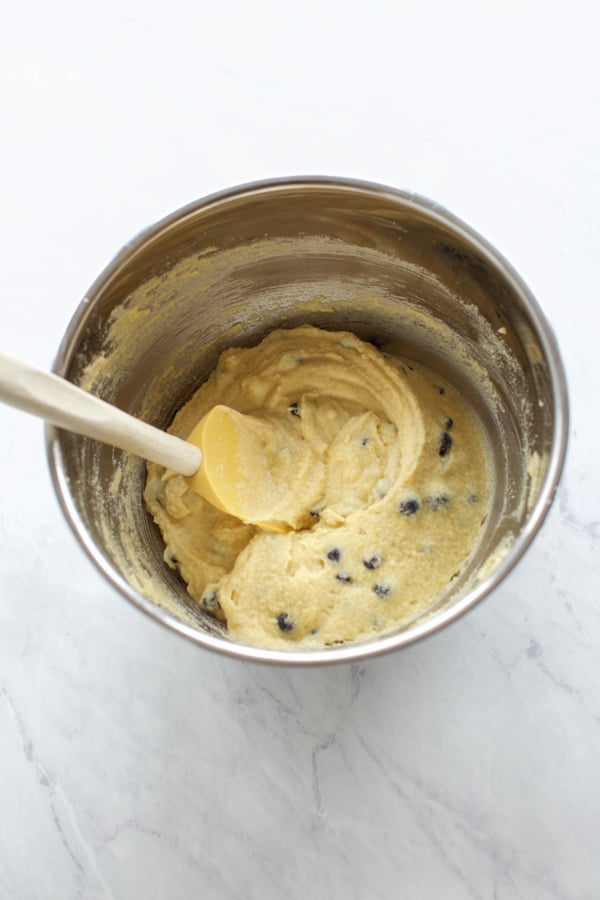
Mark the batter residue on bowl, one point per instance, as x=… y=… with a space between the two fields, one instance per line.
x=390 y=483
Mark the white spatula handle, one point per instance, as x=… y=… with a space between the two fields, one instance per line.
x=62 y=403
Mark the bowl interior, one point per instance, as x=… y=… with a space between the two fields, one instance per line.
x=392 y=268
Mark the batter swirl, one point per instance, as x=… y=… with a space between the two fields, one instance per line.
x=386 y=482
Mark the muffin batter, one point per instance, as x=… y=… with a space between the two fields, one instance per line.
x=388 y=485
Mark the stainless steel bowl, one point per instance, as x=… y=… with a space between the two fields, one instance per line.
x=390 y=266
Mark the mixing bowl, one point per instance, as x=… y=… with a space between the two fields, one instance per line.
x=392 y=267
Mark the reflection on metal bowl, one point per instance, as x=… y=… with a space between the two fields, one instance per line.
x=392 y=267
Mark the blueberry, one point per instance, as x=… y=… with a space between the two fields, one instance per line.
x=210 y=601
x=373 y=562
x=438 y=501
x=335 y=554
x=382 y=590
x=410 y=507
x=294 y=409
x=445 y=443
x=316 y=511
x=364 y=441
x=285 y=623
x=448 y=423
x=344 y=577
x=441 y=390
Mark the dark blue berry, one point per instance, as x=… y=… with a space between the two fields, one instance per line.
x=445 y=443
x=442 y=390
x=316 y=512
x=448 y=423
x=294 y=409
x=335 y=554
x=410 y=507
x=373 y=562
x=382 y=590
x=344 y=577
x=285 y=623
x=364 y=441
x=210 y=601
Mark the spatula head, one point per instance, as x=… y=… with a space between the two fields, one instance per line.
x=234 y=475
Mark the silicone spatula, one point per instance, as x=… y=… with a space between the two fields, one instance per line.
x=210 y=458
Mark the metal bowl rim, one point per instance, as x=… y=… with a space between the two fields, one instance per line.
x=359 y=650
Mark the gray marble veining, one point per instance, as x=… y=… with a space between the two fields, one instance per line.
x=132 y=764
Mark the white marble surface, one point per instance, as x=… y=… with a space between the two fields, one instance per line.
x=133 y=764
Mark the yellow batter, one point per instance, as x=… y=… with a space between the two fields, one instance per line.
x=388 y=478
